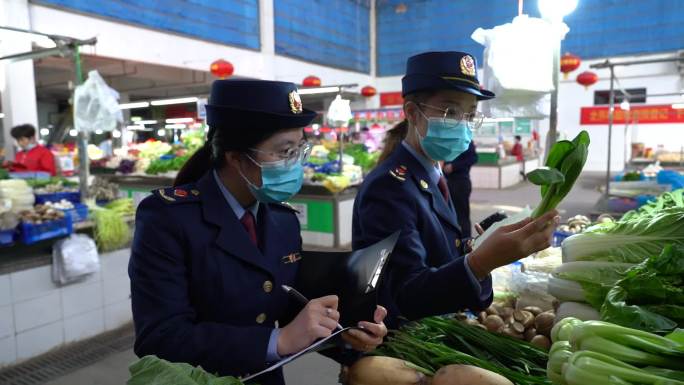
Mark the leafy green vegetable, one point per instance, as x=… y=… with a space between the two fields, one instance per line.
x=566 y=158
x=160 y=166
x=651 y=295
x=4 y=174
x=664 y=201
x=596 y=278
x=629 y=241
x=111 y=230
x=437 y=341
x=545 y=176
x=151 y=370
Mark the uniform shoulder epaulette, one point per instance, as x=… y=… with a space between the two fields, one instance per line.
x=399 y=173
x=287 y=206
x=177 y=194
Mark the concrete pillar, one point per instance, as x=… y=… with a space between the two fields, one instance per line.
x=267 y=37
x=17 y=82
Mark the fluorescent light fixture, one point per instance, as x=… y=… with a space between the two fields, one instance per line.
x=116 y=134
x=319 y=90
x=556 y=9
x=678 y=106
x=2 y=115
x=624 y=105
x=128 y=106
x=98 y=132
x=73 y=132
x=175 y=126
x=141 y=122
x=180 y=120
x=44 y=132
x=161 y=132
x=135 y=118
x=165 y=102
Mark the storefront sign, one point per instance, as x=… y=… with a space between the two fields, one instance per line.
x=391 y=99
x=637 y=114
x=523 y=126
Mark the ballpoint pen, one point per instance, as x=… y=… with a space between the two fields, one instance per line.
x=302 y=299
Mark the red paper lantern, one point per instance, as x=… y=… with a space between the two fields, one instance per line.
x=311 y=81
x=222 y=68
x=368 y=91
x=587 y=78
x=569 y=63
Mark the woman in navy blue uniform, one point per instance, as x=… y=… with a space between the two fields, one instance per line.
x=209 y=255
x=432 y=271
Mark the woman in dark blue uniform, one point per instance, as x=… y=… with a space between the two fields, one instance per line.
x=432 y=271
x=209 y=255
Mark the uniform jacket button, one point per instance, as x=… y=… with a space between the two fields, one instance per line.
x=261 y=318
x=268 y=286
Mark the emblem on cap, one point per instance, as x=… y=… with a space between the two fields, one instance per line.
x=468 y=65
x=295 y=102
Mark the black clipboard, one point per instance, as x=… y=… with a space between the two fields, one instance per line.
x=354 y=276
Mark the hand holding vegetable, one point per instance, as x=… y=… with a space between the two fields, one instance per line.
x=317 y=320
x=372 y=334
x=510 y=243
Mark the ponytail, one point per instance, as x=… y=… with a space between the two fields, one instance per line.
x=393 y=139
x=195 y=167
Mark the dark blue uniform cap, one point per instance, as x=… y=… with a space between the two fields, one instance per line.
x=260 y=104
x=443 y=71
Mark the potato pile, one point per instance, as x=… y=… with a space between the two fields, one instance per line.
x=530 y=323
x=41 y=214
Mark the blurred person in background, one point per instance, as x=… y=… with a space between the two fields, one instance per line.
x=31 y=156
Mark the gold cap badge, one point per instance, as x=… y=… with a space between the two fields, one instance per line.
x=468 y=65
x=295 y=102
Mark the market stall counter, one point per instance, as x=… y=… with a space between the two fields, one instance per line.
x=325 y=217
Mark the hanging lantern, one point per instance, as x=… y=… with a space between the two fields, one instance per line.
x=221 y=68
x=587 y=78
x=569 y=63
x=368 y=91
x=311 y=81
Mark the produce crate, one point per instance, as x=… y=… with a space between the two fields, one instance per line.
x=73 y=197
x=558 y=237
x=7 y=237
x=78 y=214
x=32 y=233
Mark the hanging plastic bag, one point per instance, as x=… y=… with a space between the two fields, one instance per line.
x=96 y=105
x=518 y=65
x=339 y=112
x=74 y=258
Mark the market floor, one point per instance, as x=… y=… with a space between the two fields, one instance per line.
x=314 y=369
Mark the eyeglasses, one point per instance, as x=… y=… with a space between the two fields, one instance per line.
x=473 y=119
x=289 y=157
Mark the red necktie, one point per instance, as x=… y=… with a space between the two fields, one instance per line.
x=250 y=225
x=443 y=188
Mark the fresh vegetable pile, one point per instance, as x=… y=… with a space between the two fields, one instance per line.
x=41 y=214
x=160 y=166
x=529 y=324
x=435 y=342
x=111 y=229
x=596 y=352
x=102 y=190
x=151 y=370
x=630 y=240
x=563 y=165
x=651 y=295
x=665 y=201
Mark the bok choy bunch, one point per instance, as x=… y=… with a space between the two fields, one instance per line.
x=563 y=165
x=595 y=352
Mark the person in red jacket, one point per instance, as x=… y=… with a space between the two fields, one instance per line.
x=517 y=150
x=31 y=155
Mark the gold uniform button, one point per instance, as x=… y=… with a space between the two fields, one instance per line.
x=261 y=318
x=268 y=286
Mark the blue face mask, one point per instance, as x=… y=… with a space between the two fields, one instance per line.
x=279 y=182
x=446 y=139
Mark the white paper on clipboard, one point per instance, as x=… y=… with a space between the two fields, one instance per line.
x=293 y=357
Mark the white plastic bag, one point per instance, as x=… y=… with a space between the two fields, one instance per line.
x=518 y=65
x=339 y=112
x=96 y=105
x=74 y=258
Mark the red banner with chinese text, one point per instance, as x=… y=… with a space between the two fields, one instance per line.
x=391 y=99
x=637 y=114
